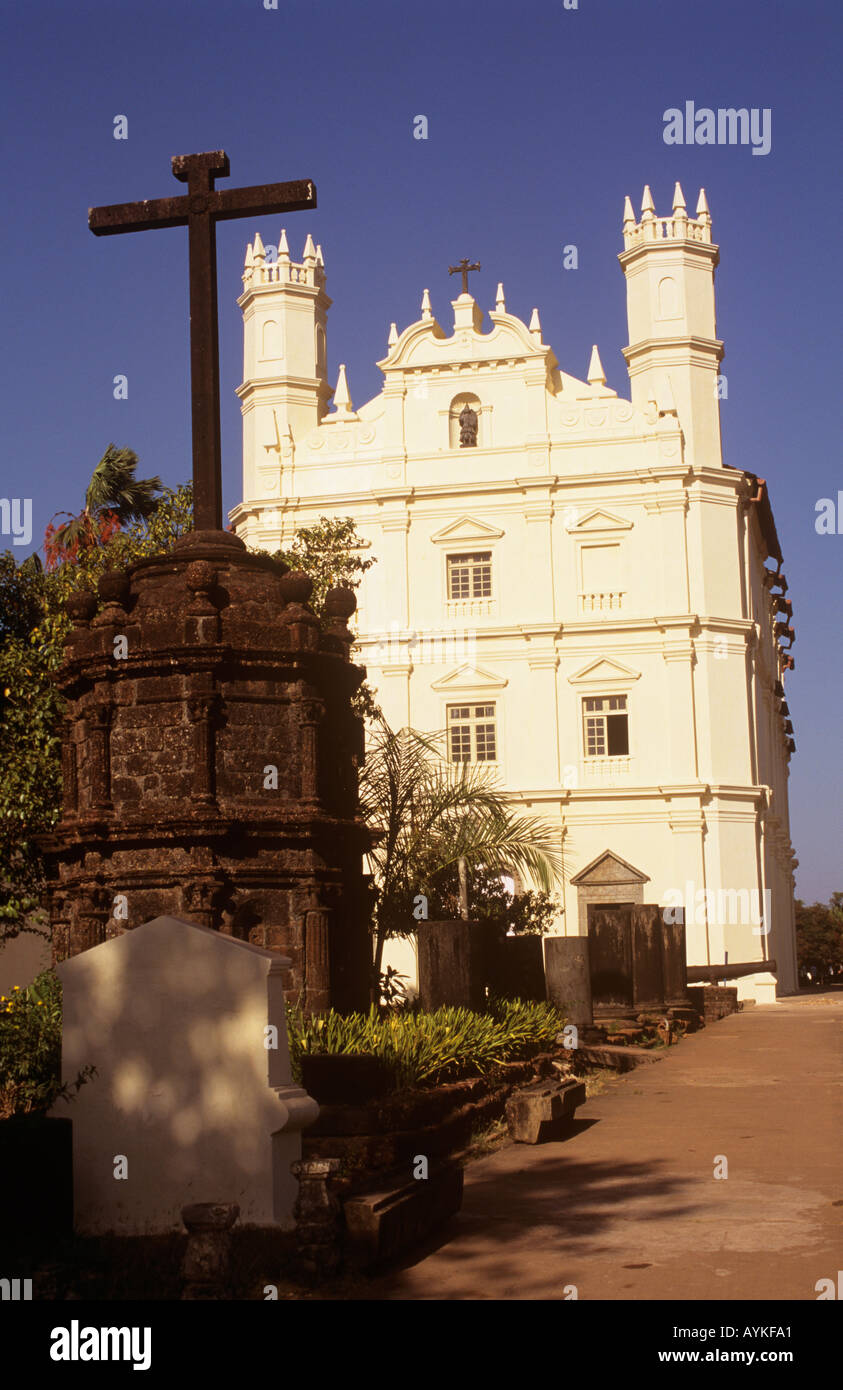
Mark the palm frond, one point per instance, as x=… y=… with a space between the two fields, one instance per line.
x=431 y=813
x=114 y=487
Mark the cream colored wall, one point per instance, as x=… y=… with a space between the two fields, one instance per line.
x=192 y=1100
x=563 y=464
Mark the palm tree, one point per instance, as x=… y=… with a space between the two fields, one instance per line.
x=430 y=815
x=113 y=497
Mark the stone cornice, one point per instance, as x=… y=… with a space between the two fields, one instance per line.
x=675 y=350
x=505 y=486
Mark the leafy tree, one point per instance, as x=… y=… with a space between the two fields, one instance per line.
x=819 y=939
x=490 y=900
x=21 y=596
x=430 y=814
x=114 y=497
x=328 y=552
x=30 y=787
x=30 y=1049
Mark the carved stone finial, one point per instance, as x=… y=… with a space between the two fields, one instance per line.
x=81 y=606
x=340 y=603
x=296 y=587
x=113 y=587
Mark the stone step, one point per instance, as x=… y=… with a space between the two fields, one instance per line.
x=615 y=1057
x=394 y=1217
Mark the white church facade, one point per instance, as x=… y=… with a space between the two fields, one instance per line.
x=572 y=584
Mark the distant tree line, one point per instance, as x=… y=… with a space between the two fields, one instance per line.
x=819 y=941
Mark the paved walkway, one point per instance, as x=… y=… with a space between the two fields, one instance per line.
x=628 y=1208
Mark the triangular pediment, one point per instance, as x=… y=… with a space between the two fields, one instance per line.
x=600 y=520
x=604 y=670
x=464 y=529
x=467 y=677
x=609 y=868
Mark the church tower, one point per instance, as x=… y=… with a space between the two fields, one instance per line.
x=285 y=391
x=674 y=354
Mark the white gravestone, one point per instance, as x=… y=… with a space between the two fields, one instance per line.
x=191 y=1102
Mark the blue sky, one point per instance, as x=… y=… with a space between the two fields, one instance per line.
x=540 y=118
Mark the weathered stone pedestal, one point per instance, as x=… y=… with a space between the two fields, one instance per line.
x=209 y=765
x=318 y=1216
x=206 y=1267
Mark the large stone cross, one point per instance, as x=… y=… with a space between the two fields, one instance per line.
x=199 y=210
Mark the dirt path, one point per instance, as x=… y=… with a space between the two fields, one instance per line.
x=628 y=1207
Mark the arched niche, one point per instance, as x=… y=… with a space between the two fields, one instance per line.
x=321 y=351
x=271 y=345
x=668 y=298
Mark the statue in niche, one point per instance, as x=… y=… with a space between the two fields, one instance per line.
x=468 y=427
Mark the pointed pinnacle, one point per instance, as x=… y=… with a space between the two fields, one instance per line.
x=258 y=250
x=647 y=204
x=342 y=399
x=320 y=259
x=250 y=259
x=426 y=311
x=535 y=323
x=628 y=214
x=596 y=375
x=283 y=248
x=309 y=253
x=702 y=205
x=500 y=302
x=678 y=197
x=393 y=335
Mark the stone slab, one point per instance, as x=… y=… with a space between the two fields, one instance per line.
x=542 y=1113
x=454 y=964
x=567 y=978
x=617 y=1058
x=517 y=968
x=397 y=1215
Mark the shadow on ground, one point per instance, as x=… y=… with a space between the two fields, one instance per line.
x=568 y=1206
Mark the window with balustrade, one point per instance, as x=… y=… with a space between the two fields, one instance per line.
x=470 y=576
x=601 y=589
x=605 y=726
x=472 y=733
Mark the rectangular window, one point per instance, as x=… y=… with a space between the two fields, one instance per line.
x=471 y=734
x=470 y=576
x=606 y=726
x=601 y=569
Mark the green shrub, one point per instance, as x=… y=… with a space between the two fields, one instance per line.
x=428 y=1048
x=30 y=1049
